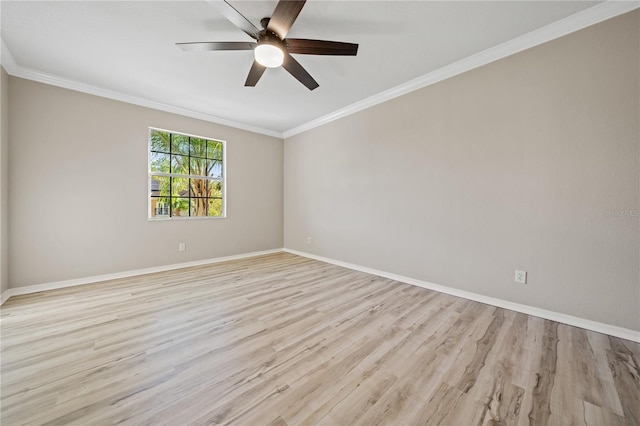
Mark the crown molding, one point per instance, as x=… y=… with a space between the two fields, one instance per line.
x=593 y=15
x=601 y=12
x=6 y=58
x=16 y=70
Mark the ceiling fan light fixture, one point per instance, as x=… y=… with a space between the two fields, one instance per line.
x=269 y=54
x=271 y=47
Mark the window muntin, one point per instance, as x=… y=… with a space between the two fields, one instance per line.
x=186 y=176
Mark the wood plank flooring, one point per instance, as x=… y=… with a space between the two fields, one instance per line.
x=285 y=340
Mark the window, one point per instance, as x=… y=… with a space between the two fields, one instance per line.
x=186 y=176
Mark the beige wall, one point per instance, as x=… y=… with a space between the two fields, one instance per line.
x=4 y=180
x=78 y=189
x=510 y=166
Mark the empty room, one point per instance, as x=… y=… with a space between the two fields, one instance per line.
x=325 y=212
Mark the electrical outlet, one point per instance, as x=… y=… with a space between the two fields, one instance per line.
x=521 y=277
x=182 y=247
x=308 y=240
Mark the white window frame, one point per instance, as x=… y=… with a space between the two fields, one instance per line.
x=222 y=179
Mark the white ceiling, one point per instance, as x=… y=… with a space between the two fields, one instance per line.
x=128 y=47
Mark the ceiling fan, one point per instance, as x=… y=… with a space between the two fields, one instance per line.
x=271 y=48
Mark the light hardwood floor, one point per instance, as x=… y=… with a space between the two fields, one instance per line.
x=284 y=340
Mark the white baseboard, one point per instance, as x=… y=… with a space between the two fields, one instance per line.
x=599 y=327
x=5 y=295
x=98 y=278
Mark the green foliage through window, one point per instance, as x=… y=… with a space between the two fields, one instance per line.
x=186 y=175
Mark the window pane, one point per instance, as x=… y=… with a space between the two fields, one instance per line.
x=180 y=144
x=198 y=166
x=159 y=141
x=199 y=206
x=215 y=207
x=159 y=162
x=199 y=188
x=180 y=164
x=215 y=189
x=214 y=150
x=214 y=168
x=198 y=147
x=160 y=206
x=179 y=207
x=179 y=187
x=160 y=186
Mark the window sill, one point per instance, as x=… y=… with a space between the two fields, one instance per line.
x=183 y=218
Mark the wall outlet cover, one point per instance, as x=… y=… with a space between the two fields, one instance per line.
x=521 y=277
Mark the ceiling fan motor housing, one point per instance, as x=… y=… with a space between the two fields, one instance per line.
x=269 y=37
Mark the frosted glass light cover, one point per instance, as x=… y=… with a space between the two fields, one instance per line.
x=269 y=55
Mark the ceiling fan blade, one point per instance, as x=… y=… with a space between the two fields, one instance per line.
x=255 y=73
x=284 y=16
x=321 y=47
x=204 y=46
x=235 y=17
x=298 y=71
